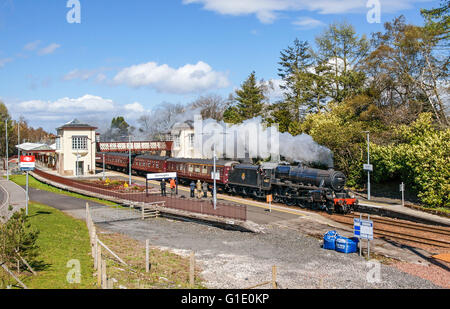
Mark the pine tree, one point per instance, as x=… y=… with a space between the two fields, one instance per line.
x=249 y=101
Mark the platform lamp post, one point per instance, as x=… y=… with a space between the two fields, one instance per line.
x=368 y=164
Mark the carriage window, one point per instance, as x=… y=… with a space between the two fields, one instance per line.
x=197 y=169
x=205 y=170
x=191 y=169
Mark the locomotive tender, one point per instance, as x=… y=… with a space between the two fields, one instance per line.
x=292 y=185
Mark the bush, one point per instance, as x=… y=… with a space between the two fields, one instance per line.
x=17 y=236
x=421 y=157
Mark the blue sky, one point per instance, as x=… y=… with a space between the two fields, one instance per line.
x=127 y=57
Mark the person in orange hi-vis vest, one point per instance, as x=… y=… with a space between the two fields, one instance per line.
x=173 y=185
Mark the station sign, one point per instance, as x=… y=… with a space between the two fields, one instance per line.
x=368 y=167
x=363 y=229
x=27 y=163
x=161 y=176
x=217 y=175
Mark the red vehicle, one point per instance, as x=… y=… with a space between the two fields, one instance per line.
x=143 y=165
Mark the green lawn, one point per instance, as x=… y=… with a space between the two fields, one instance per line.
x=61 y=240
x=34 y=183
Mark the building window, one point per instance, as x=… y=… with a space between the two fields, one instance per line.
x=58 y=143
x=177 y=141
x=191 y=140
x=79 y=143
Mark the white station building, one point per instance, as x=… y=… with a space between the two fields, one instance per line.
x=76 y=149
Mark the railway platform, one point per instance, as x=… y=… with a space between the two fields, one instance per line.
x=401 y=212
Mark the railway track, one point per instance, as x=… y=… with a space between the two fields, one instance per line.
x=403 y=231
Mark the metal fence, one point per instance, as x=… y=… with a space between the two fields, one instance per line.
x=206 y=207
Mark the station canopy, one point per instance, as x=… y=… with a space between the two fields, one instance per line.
x=36 y=148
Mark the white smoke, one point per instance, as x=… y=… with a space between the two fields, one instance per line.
x=258 y=140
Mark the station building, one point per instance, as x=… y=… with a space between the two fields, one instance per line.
x=183 y=136
x=75 y=149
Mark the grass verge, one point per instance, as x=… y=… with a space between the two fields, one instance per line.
x=34 y=183
x=61 y=239
x=167 y=270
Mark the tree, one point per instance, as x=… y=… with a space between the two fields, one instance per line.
x=339 y=55
x=18 y=238
x=210 y=106
x=249 y=101
x=300 y=82
x=407 y=72
x=157 y=124
x=438 y=22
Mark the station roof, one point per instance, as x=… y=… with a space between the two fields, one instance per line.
x=34 y=147
x=76 y=124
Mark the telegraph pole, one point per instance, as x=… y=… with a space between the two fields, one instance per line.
x=6 y=150
x=215 y=188
x=103 y=167
x=368 y=164
x=129 y=159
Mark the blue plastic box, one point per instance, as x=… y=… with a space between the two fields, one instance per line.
x=329 y=240
x=346 y=245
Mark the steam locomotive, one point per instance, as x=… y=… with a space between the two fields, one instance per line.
x=292 y=185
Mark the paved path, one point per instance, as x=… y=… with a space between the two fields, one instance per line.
x=10 y=195
x=59 y=201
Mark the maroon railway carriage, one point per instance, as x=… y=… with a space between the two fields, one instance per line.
x=115 y=161
x=145 y=164
x=200 y=169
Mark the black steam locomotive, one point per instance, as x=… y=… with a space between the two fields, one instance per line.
x=302 y=186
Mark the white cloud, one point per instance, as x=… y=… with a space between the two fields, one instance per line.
x=268 y=10
x=274 y=91
x=5 y=61
x=135 y=107
x=49 y=49
x=92 y=109
x=87 y=103
x=307 y=23
x=32 y=45
x=191 y=78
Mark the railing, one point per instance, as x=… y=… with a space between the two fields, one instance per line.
x=205 y=207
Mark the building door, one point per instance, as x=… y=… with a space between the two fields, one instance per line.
x=80 y=168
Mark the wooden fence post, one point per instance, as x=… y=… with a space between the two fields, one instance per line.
x=274 y=277
x=192 y=269
x=99 y=266
x=104 y=277
x=147 y=256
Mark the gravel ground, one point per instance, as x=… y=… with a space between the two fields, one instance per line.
x=232 y=259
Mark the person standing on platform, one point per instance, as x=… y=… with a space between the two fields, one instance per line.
x=199 y=189
x=173 y=185
x=205 y=189
x=163 y=187
x=192 y=188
